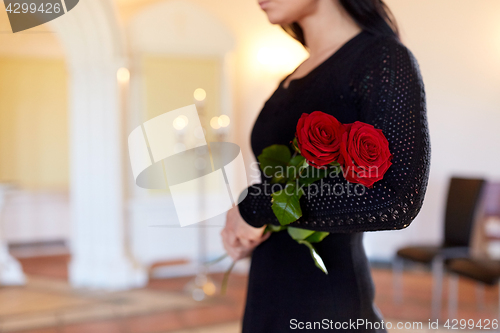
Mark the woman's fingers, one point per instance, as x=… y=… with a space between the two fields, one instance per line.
x=237 y=248
x=239 y=238
x=253 y=242
x=248 y=243
x=231 y=250
x=229 y=237
x=237 y=252
x=242 y=248
x=232 y=240
x=265 y=236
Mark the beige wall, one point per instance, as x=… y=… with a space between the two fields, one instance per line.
x=169 y=83
x=34 y=122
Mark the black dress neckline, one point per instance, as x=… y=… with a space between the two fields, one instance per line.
x=316 y=69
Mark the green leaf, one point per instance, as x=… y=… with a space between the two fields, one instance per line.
x=317 y=259
x=335 y=164
x=299 y=234
x=273 y=159
x=294 y=166
x=311 y=174
x=286 y=205
x=274 y=228
x=279 y=179
x=297 y=161
x=317 y=237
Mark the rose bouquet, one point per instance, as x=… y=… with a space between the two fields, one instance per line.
x=322 y=146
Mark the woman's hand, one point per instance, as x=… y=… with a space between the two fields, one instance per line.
x=240 y=238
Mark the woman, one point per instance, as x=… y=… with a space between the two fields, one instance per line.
x=357 y=70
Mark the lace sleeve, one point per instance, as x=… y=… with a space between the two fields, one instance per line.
x=388 y=92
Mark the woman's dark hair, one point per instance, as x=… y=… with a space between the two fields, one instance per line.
x=371 y=15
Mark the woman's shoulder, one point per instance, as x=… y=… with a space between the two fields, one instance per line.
x=383 y=45
x=385 y=51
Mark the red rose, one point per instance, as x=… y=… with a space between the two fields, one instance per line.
x=318 y=137
x=365 y=155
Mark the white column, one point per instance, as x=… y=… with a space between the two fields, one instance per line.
x=95 y=51
x=11 y=272
x=99 y=249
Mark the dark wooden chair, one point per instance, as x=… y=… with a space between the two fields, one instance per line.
x=464 y=196
x=483 y=271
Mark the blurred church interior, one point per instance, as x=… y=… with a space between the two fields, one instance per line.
x=83 y=249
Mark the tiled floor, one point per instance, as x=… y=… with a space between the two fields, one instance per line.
x=50 y=305
x=45 y=303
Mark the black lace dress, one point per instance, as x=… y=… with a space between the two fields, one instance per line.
x=374 y=79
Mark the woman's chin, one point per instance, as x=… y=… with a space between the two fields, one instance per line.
x=277 y=19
